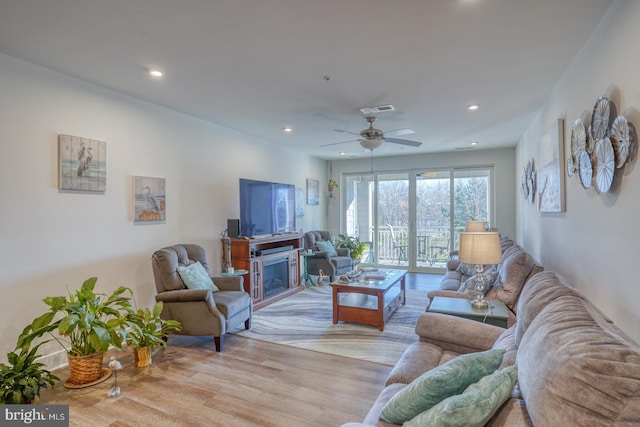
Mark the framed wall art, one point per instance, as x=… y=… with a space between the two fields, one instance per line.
x=313 y=191
x=149 y=199
x=550 y=183
x=299 y=202
x=82 y=164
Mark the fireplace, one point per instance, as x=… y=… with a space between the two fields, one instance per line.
x=275 y=276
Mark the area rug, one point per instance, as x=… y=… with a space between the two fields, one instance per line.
x=305 y=320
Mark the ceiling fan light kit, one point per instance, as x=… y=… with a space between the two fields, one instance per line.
x=371 y=143
x=372 y=138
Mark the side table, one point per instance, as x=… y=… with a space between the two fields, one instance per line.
x=497 y=314
x=236 y=272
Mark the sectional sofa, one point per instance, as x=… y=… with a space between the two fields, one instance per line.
x=574 y=366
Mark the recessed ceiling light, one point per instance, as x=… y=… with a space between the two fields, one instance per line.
x=473 y=107
x=287 y=129
x=473 y=143
x=154 y=72
x=342 y=153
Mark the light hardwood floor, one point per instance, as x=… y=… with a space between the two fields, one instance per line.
x=251 y=383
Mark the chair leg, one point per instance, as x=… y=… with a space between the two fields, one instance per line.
x=247 y=324
x=218 y=342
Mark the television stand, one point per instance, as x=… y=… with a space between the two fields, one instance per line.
x=258 y=252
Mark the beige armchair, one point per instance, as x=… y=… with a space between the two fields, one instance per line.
x=201 y=311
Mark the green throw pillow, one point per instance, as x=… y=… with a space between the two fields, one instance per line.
x=326 y=246
x=195 y=276
x=439 y=383
x=475 y=406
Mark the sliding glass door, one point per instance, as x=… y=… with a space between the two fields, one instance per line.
x=433 y=218
x=412 y=219
x=394 y=234
x=470 y=199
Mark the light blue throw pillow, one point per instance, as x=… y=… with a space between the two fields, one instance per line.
x=195 y=276
x=439 y=383
x=326 y=246
x=475 y=406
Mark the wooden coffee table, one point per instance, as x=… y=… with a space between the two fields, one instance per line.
x=369 y=301
x=497 y=314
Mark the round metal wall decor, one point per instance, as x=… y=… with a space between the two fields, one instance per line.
x=586 y=169
x=620 y=140
x=578 y=139
x=600 y=119
x=605 y=164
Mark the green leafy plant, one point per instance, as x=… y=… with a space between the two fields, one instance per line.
x=148 y=329
x=356 y=247
x=22 y=380
x=332 y=184
x=89 y=323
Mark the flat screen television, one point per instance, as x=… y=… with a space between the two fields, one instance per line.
x=266 y=208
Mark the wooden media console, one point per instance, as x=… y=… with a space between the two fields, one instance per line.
x=267 y=260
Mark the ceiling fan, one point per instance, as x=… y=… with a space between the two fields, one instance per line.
x=372 y=138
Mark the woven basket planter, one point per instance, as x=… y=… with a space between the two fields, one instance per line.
x=85 y=369
x=142 y=356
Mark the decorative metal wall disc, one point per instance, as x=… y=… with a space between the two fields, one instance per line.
x=586 y=169
x=605 y=164
x=571 y=166
x=578 y=139
x=600 y=119
x=620 y=140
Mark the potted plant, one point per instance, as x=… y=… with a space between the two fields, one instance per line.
x=332 y=185
x=85 y=325
x=148 y=331
x=357 y=248
x=22 y=380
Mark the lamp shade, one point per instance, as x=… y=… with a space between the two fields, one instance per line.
x=480 y=248
x=475 y=226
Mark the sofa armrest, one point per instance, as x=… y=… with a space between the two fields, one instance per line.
x=456 y=334
x=229 y=283
x=320 y=255
x=343 y=251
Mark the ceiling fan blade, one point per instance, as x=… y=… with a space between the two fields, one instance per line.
x=341 y=142
x=404 y=142
x=346 y=131
x=400 y=132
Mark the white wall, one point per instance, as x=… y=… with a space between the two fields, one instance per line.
x=503 y=162
x=51 y=240
x=593 y=244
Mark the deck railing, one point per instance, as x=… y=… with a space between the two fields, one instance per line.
x=432 y=246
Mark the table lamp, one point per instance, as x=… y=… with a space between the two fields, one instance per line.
x=475 y=226
x=480 y=248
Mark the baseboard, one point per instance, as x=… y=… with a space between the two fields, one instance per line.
x=55 y=360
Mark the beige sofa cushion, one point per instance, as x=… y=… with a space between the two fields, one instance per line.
x=417 y=359
x=541 y=290
x=512 y=275
x=578 y=369
x=507 y=341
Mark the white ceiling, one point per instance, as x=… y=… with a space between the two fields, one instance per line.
x=259 y=65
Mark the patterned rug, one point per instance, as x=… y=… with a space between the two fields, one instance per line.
x=305 y=320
